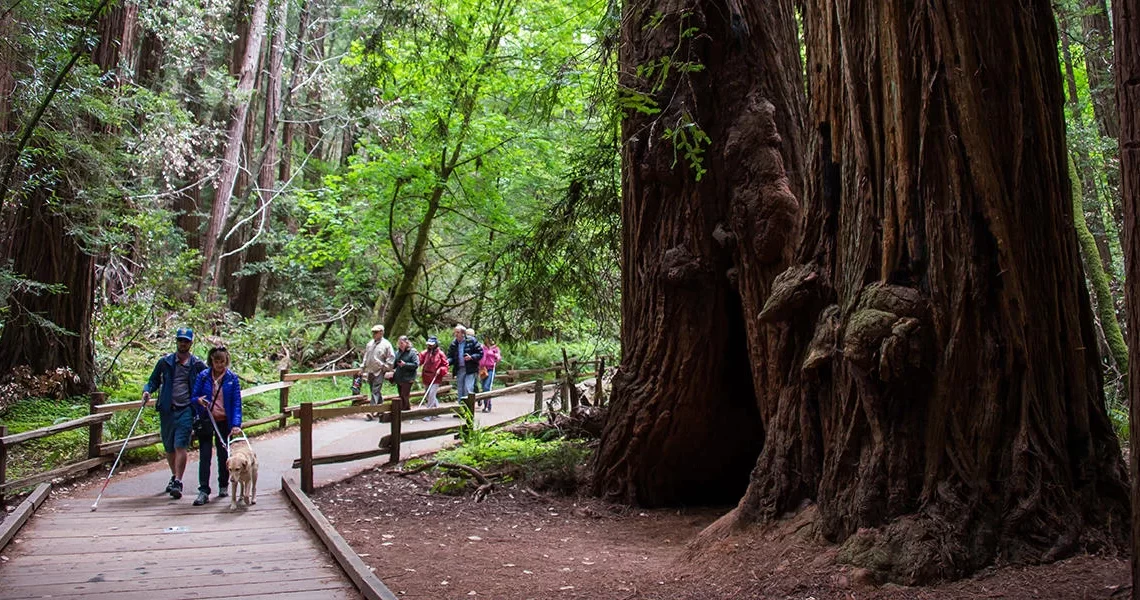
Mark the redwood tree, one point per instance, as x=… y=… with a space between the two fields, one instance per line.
x=712 y=134
x=1126 y=15
x=944 y=406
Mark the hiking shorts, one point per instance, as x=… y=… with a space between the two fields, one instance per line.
x=175 y=428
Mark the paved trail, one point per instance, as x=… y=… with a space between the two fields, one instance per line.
x=142 y=544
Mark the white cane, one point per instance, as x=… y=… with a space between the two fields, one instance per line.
x=428 y=390
x=117 y=458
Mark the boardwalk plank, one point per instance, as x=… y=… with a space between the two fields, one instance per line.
x=163 y=589
x=298 y=562
x=167 y=556
x=104 y=584
x=190 y=542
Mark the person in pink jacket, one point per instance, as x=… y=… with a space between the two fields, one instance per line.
x=491 y=357
x=434 y=363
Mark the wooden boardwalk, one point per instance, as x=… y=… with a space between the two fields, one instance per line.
x=156 y=548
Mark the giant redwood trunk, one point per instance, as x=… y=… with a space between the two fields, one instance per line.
x=685 y=423
x=1126 y=15
x=46 y=330
x=944 y=406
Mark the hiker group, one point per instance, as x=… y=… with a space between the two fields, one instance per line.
x=470 y=363
x=202 y=400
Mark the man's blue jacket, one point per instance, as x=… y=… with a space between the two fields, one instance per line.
x=163 y=376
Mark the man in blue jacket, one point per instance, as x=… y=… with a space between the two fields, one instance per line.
x=173 y=377
x=463 y=355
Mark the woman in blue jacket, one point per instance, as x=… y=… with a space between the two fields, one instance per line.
x=217 y=392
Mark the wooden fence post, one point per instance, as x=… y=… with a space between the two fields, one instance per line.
x=599 y=397
x=397 y=425
x=3 y=463
x=95 y=432
x=307 y=447
x=283 y=395
x=538 y=395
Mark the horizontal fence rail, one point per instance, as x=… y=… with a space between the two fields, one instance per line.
x=100 y=452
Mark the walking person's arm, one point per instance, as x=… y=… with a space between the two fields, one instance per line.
x=153 y=383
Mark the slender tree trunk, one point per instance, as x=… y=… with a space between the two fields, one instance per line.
x=314 y=148
x=288 y=127
x=946 y=410
x=701 y=244
x=245 y=303
x=1088 y=197
x=396 y=316
x=1104 y=304
x=8 y=58
x=1098 y=62
x=227 y=176
x=1126 y=18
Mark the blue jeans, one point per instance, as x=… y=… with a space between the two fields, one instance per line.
x=208 y=441
x=464 y=383
x=488 y=381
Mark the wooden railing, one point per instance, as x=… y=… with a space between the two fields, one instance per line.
x=100 y=452
x=391 y=411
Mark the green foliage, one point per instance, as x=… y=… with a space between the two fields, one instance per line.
x=546 y=464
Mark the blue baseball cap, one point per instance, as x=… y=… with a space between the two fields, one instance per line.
x=432 y=341
x=184 y=333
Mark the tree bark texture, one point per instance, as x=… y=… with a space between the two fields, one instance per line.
x=249 y=286
x=231 y=154
x=8 y=57
x=944 y=409
x=699 y=253
x=43 y=249
x=1126 y=32
x=115 y=51
x=1097 y=33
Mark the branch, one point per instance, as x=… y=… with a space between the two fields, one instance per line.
x=77 y=51
x=391 y=224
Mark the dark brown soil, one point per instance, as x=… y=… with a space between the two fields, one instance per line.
x=521 y=545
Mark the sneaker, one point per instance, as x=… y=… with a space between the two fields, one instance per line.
x=169 y=485
x=203 y=498
x=223 y=493
x=368 y=417
x=427 y=419
x=176 y=489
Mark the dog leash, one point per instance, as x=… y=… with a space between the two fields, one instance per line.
x=217 y=432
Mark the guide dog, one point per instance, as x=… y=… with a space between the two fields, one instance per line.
x=242 y=464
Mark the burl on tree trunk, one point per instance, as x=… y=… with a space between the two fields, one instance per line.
x=945 y=408
x=702 y=239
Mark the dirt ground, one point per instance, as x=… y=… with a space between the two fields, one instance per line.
x=521 y=545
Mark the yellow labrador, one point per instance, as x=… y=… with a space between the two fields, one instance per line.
x=242 y=464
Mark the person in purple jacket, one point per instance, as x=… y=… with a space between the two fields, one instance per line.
x=216 y=390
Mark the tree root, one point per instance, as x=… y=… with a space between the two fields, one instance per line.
x=486 y=486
